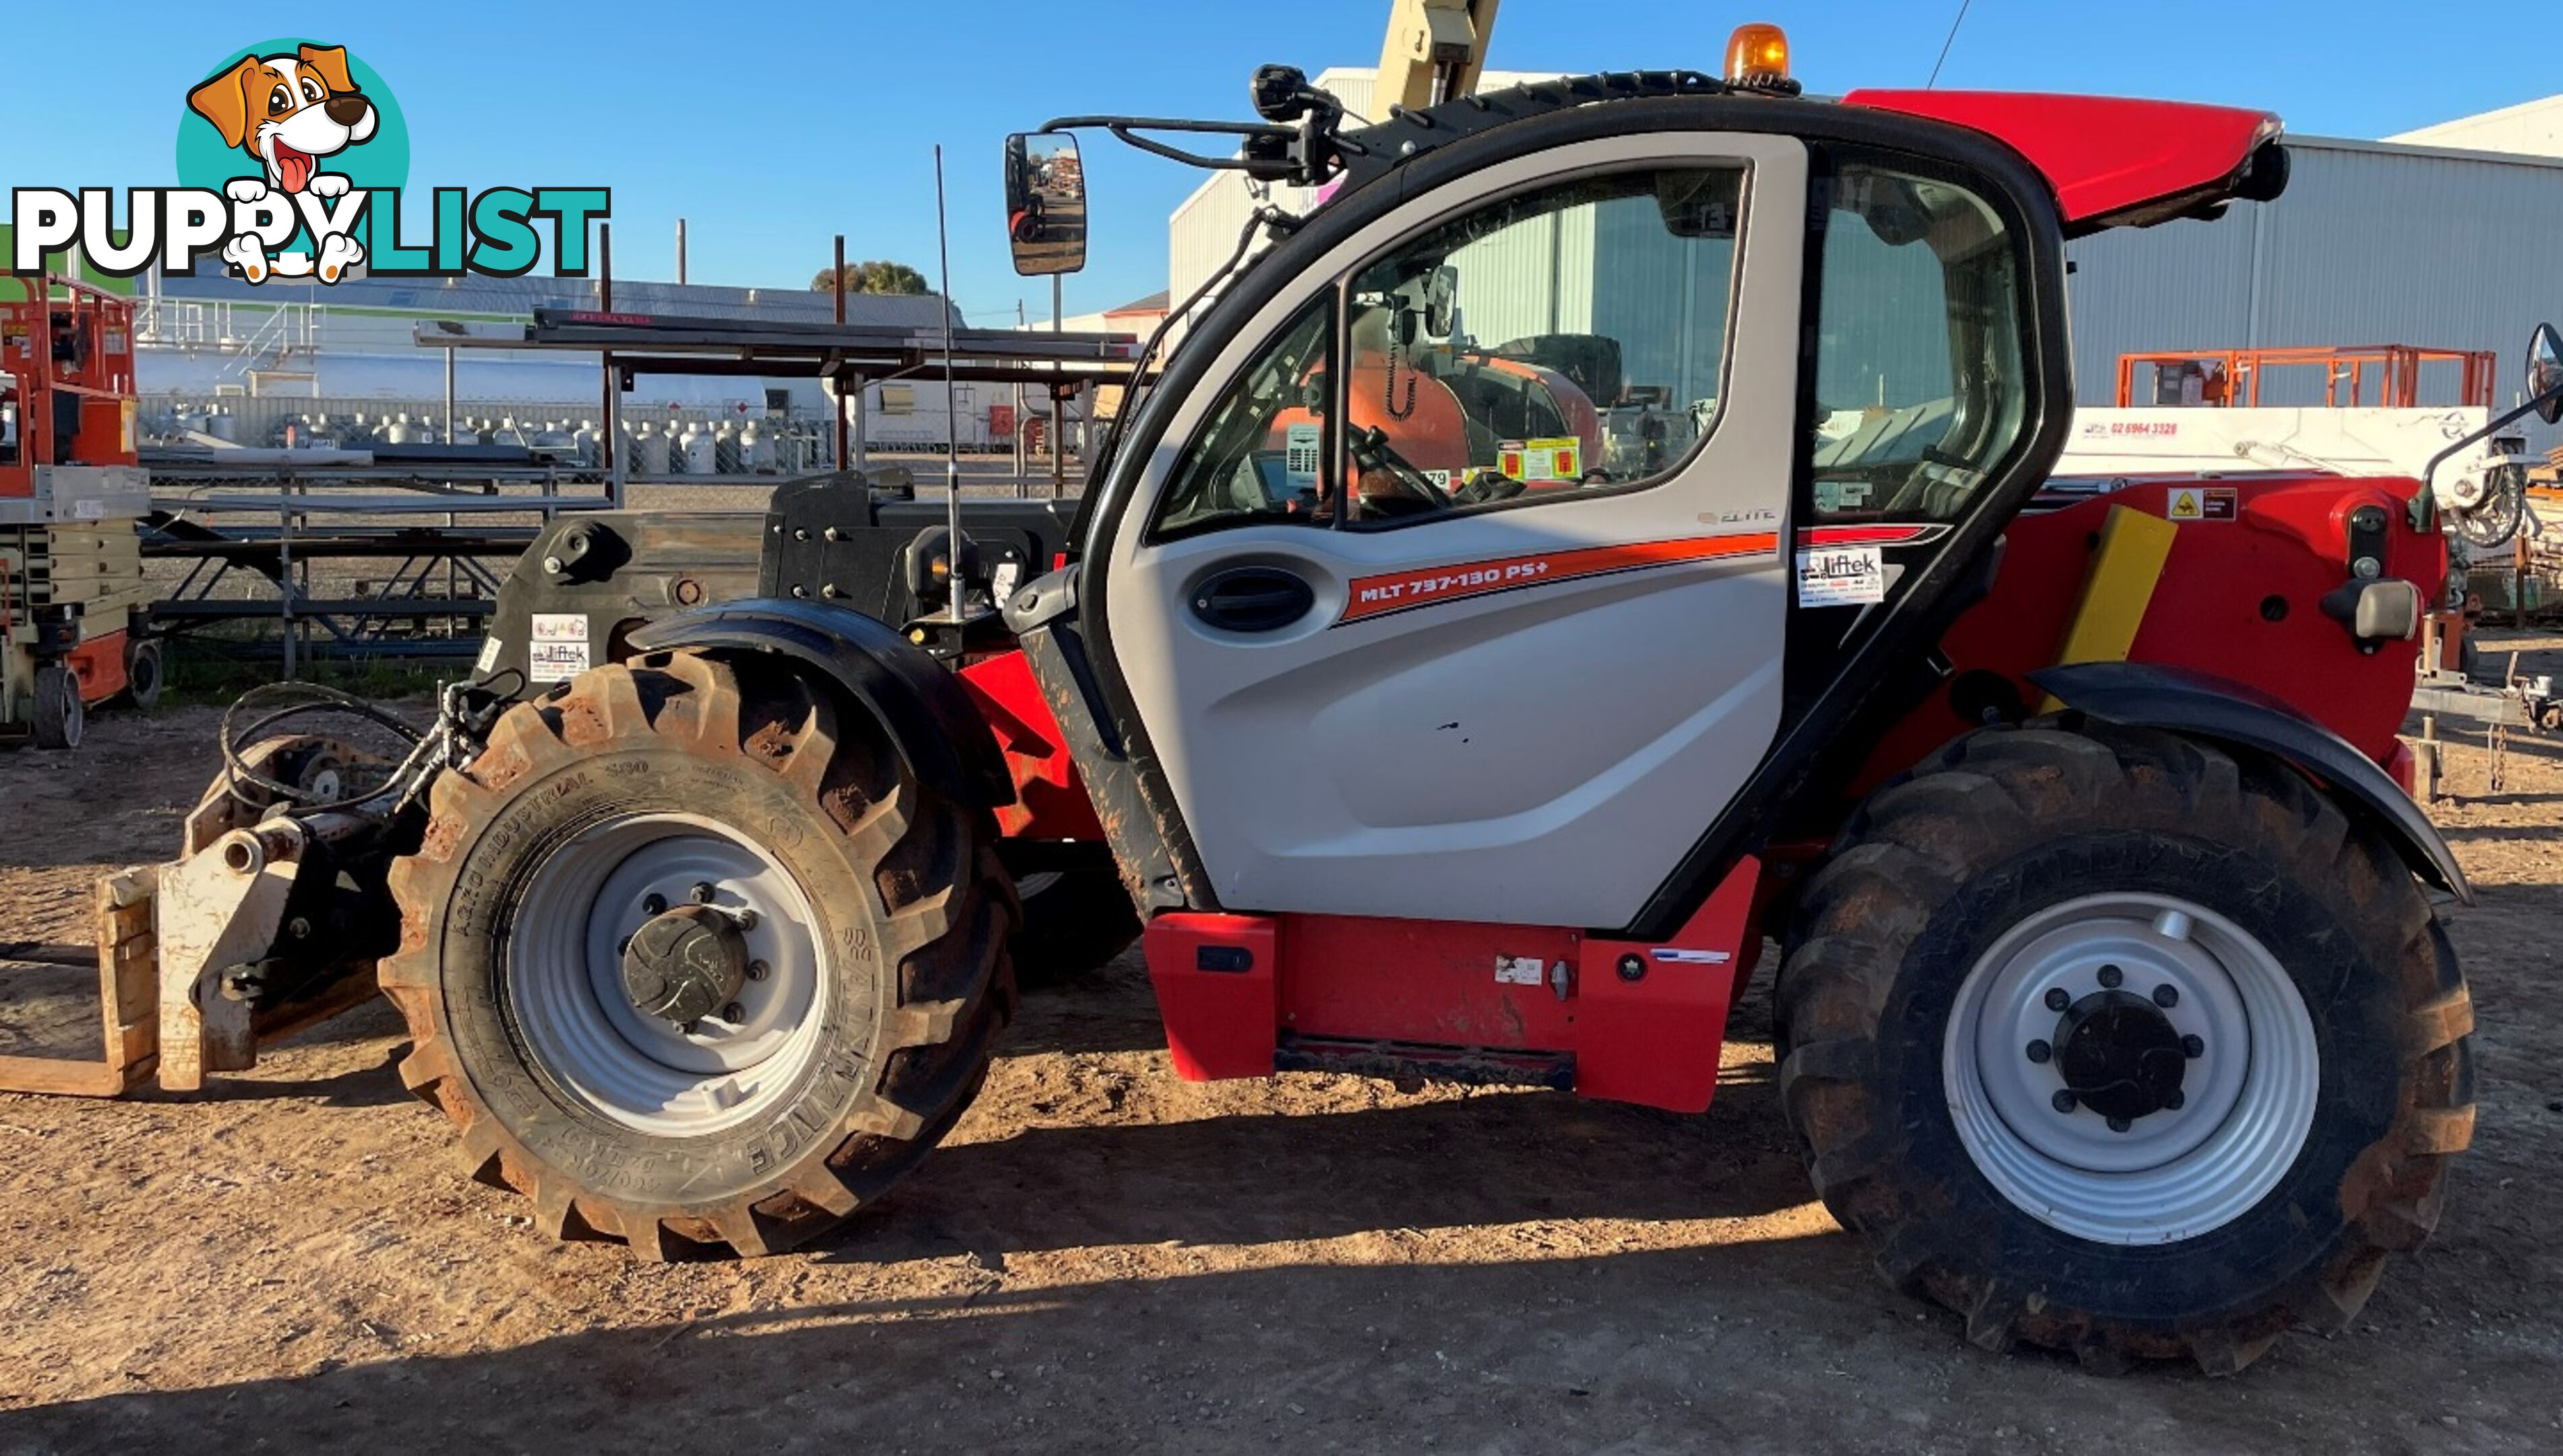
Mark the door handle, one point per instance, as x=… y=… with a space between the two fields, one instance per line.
x=1252 y=599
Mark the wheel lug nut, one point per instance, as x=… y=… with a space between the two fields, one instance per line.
x=746 y=920
x=691 y=1028
x=733 y=1013
x=2063 y=1101
x=2166 y=995
x=758 y=970
x=653 y=903
x=2111 y=977
x=2040 y=1051
x=2193 y=1045
x=2058 y=999
x=2175 y=1100
x=2119 y=1125
x=703 y=891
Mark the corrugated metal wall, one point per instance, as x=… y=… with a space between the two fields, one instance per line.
x=2372 y=244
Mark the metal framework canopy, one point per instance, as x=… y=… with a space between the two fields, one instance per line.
x=646 y=343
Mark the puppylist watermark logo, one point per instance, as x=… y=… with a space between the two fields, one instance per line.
x=291 y=158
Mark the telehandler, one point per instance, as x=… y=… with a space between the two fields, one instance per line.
x=1616 y=524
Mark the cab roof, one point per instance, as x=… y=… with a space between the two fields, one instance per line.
x=2115 y=161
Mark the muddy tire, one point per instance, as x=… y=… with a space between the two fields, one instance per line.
x=1075 y=921
x=2120 y=1045
x=56 y=716
x=691 y=962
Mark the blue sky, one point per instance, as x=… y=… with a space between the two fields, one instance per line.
x=773 y=125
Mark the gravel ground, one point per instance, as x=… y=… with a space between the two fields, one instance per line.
x=1105 y=1258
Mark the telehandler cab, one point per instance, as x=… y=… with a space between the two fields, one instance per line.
x=1614 y=525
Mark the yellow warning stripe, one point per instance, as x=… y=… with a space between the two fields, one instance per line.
x=2118 y=588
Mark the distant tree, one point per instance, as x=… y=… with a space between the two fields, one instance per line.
x=874 y=277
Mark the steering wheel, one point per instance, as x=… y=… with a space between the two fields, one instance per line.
x=1371 y=451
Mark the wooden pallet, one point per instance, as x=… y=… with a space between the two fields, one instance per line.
x=129 y=994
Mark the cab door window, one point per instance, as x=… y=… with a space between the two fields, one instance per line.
x=1563 y=340
x=1921 y=373
x=1261 y=456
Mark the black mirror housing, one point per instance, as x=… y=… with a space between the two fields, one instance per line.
x=1045 y=203
x=2545 y=373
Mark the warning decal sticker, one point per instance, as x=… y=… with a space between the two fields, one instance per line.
x=558 y=651
x=2200 y=502
x=1398 y=591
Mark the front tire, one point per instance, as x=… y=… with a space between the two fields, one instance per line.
x=691 y=959
x=58 y=715
x=2118 y=1045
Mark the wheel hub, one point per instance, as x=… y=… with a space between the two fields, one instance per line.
x=2130 y=1068
x=664 y=972
x=684 y=965
x=2121 y=1056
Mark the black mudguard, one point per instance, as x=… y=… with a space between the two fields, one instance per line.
x=2202 y=705
x=939 y=733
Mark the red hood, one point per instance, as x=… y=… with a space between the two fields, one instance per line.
x=2115 y=161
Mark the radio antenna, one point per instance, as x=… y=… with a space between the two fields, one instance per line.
x=951 y=406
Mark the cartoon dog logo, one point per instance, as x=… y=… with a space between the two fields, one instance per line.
x=288 y=113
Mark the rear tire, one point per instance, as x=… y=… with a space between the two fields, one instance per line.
x=142 y=673
x=58 y=716
x=856 y=922
x=2315 y=1076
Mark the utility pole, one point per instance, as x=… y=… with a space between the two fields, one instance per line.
x=1022 y=466
x=1058 y=406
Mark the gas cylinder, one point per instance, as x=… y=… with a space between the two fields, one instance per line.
x=755 y=450
x=698 y=448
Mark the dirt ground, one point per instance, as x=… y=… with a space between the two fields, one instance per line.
x=1104 y=1258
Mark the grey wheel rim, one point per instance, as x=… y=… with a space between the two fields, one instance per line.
x=2248 y=1081
x=564 y=982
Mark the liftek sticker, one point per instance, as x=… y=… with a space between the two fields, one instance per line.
x=1520 y=971
x=558 y=651
x=1836 y=576
x=88 y=509
x=1001 y=582
x=490 y=647
x=1303 y=446
x=1678 y=955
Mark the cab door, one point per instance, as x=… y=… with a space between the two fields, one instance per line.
x=1460 y=592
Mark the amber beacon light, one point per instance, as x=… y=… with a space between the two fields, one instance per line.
x=1758 y=59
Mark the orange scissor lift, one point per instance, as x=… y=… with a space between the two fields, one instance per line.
x=73 y=599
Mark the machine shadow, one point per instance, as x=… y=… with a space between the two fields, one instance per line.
x=1598 y=1348
x=1265 y=1177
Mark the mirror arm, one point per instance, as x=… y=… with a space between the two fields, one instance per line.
x=2425 y=504
x=1301 y=141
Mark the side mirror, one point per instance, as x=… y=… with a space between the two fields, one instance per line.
x=1045 y=203
x=2545 y=373
x=1442 y=302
